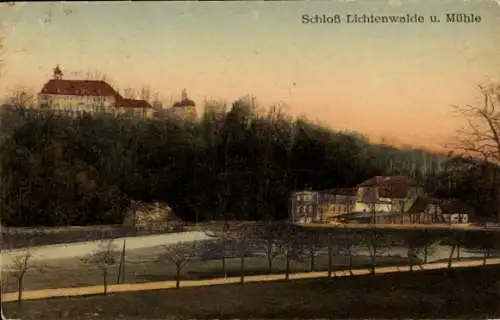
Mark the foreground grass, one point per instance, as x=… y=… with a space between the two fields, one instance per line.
x=468 y=292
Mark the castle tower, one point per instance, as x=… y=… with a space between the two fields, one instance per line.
x=57 y=74
x=186 y=108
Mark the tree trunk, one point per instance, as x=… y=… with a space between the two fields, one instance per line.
x=426 y=251
x=330 y=255
x=118 y=278
x=350 y=263
x=242 y=268
x=243 y=249
x=410 y=258
x=20 y=289
x=269 y=265
x=312 y=253
x=269 y=258
x=374 y=251
x=223 y=258
x=287 y=269
x=450 y=258
x=178 y=277
x=458 y=252
x=123 y=270
x=485 y=256
x=105 y=279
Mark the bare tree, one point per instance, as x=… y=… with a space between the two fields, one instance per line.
x=272 y=235
x=333 y=248
x=97 y=75
x=129 y=93
x=293 y=249
x=346 y=242
x=156 y=101
x=105 y=255
x=455 y=241
x=240 y=238
x=18 y=268
x=21 y=98
x=416 y=243
x=179 y=254
x=224 y=236
x=376 y=241
x=314 y=246
x=145 y=93
x=488 y=243
x=481 y=137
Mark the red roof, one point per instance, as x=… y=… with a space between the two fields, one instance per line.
x=91 y=88
x=390 y=186
x=132 y=103
x=185 y=103
x=79 y=88
x=388 y=180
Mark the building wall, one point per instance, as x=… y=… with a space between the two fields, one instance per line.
x=334 y=209
x=304 y=206
x=366 y=195
x=456 y=218
x=90 y=104
x=62 y=102
x=184 y=112
x=146 y=113
x=368 y=207
x=150 y=113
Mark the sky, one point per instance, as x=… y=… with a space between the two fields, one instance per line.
x=391 y=81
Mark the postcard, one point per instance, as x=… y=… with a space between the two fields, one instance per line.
x=250 y=159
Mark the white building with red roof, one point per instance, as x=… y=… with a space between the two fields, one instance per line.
x=88 y=96
x=387 y=194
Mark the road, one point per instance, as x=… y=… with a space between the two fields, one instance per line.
x=160 y=285
x=396 y=226
x=79 y=249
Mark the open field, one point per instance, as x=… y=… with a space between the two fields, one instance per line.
x=446 y=293
x=141 y=267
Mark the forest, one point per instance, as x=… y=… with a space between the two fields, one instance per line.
x=235 y=162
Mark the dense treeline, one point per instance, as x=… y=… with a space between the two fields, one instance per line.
x=235 y=164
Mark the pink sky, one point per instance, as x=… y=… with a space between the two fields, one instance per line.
x=393 y=81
